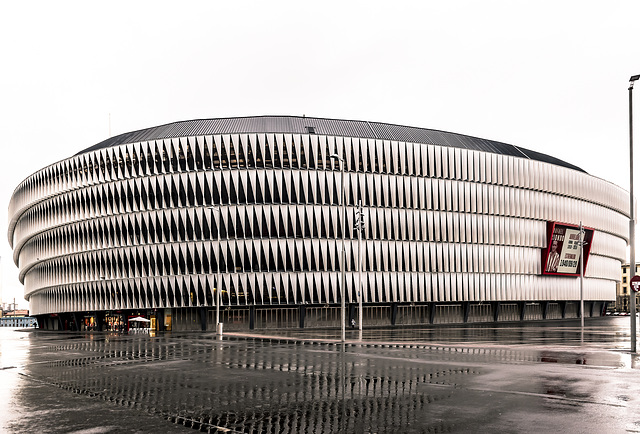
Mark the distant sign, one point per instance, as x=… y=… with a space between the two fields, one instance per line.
x=635 y=283
x=562 y=255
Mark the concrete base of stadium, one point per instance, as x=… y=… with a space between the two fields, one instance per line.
x=317 y=316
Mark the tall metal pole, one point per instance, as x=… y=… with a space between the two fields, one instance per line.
x=218 y=324
x=342 y=256
x=219 y=284
x=344 y=253
x=581 y=277
x=632 y=221
x=360 y=224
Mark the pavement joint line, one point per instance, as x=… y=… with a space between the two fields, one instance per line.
x=376 y=344
x=470 y=347
x=425 y=345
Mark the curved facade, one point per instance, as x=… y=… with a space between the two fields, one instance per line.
x=154 y=221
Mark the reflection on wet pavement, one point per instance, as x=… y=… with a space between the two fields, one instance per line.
x=281 y=385
x=248 y=388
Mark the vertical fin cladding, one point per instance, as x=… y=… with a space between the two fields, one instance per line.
x=449 y=218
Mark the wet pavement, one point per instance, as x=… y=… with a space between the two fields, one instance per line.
x=483 y=378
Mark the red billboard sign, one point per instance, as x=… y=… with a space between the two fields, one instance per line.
x=635 y=283
x=561 y=257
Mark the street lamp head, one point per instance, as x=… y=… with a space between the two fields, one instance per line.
x=634 y=77
x=339 y=158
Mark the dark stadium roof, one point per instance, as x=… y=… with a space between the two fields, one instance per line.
x=333 y=127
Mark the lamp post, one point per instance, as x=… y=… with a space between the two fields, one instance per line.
x=360 y=228
x=632 y=221
x=218 y=323
x=342 y=264
x=581 y=279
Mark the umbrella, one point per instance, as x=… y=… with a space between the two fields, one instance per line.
x=139 y=319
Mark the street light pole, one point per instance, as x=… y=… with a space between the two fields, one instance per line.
x=342 y=259
x=218 y=323
x=360 y=227
x=632 y=221
x=360 y=285
x=581 y=278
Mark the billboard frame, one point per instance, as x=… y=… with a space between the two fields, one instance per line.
x=562 y=227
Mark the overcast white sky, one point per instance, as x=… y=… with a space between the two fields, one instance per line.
x=551 y=76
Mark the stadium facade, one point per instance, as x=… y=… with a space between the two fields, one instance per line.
x=154 y=222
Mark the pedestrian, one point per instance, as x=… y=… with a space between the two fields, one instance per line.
x=353 y=323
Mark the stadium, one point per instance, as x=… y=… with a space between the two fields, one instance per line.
x=250 y=215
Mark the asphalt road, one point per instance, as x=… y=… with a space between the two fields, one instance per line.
x=509 y=378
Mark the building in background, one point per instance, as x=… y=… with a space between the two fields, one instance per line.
x=154 y=222
x=623 y=289
x=16 y=318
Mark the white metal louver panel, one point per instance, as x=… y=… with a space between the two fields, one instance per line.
x=425 y=160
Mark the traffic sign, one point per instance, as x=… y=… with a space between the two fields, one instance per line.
x=635 y=283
